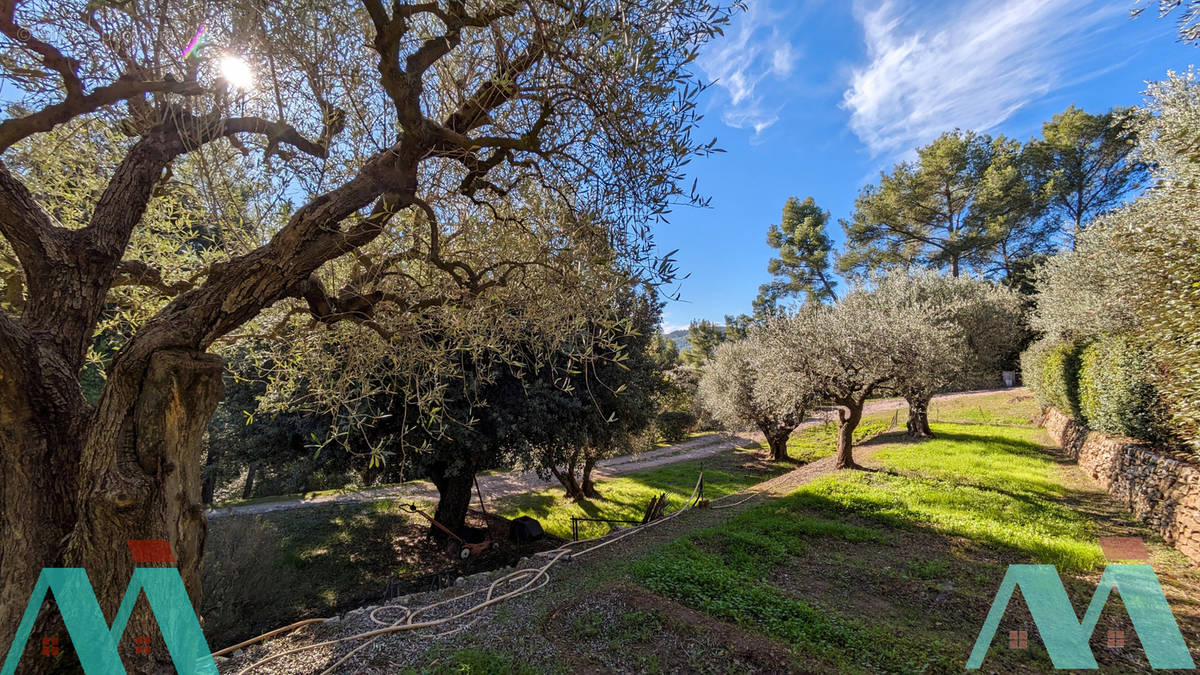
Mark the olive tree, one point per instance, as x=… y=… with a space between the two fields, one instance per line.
x=1134 y=270
x=603 y=400
x=843 y=353
x=961 y=329
x=382 y=132
x=1086 y=291
x=733 y=390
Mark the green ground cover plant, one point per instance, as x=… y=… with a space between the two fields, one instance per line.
x=625 y=497
x=844 y=570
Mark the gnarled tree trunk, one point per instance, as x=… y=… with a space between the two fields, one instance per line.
x=588 y=485
x=849 y=415
x=566 y=477
x=918 y=417
x=777 y=439
x=143 y=464
x=454 y=497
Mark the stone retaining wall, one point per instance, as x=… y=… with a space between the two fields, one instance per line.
x=1161 y=488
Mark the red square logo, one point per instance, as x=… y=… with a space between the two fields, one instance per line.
x=1116 y=638
x=1018 y=639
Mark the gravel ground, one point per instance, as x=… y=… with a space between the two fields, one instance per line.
x=513 y=625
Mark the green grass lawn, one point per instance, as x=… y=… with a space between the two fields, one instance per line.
x=891 y=569
x=626 y=497
x=265 y=570
x=848 y=569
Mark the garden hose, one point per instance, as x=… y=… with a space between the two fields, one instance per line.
x=534 y=578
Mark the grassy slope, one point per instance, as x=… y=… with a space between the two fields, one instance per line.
x=888 y=571
x=264 y=571
x=882 y=569
x=261 y=572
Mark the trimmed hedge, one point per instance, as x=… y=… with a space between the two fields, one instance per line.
x=1116 y=395
x=1051 y=371
x=1033 y=366
x=1106 y=384
x=1060 y=377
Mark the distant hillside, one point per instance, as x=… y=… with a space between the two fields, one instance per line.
x=680 y=337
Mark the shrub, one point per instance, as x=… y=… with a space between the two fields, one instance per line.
x=1116 y=394
x=1033 y=367
x=1136 y=270
x=1060 y=377
x=674 y=426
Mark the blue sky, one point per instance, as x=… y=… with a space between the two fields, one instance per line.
x=814 y=98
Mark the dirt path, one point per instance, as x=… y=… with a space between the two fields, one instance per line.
x=498 y=485
x=505 y=622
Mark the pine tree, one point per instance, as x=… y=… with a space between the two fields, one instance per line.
x=803 y=263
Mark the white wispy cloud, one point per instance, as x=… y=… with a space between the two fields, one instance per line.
x=971 y=68
x=752 y=50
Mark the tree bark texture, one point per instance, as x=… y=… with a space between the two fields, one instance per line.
x=454 y=498
x=251 y=473
x=777 y=439
x=849 y=415
x=566 y=477
x=588 y=485
x=918 y=418
x=149 y=490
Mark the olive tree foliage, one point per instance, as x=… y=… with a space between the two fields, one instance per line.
x=1083 y=292
x=436 y=156
x=734 y=392
x=842 y=353
x=1188 y=20
x=961 y=329
x=1135 y=270
x=1161 y=230
x=599 y=405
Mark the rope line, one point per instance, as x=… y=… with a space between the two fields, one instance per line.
x=534 y=578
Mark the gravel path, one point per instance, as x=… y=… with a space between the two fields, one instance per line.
x=497 y=485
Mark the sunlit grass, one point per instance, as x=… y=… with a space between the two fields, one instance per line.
x=1009 y=407
x=813 y=443
x=626 y=497
x=991 y=484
